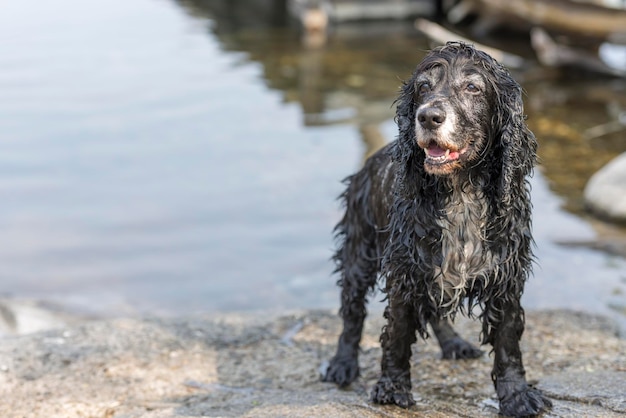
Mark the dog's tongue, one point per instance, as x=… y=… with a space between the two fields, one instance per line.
x=435 y=150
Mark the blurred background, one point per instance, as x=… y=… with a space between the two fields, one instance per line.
x=183 y=156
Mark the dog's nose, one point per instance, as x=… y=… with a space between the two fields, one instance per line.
x=431 y=117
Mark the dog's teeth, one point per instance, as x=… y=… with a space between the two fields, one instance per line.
x=447 y=153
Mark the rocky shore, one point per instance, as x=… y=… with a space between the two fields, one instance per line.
x=268 y=365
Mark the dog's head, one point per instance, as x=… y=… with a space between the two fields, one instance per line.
x=461 y=108
x=454 y=102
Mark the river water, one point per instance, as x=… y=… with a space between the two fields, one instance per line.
x=177 y=157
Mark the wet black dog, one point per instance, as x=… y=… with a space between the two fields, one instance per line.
x=443 y=214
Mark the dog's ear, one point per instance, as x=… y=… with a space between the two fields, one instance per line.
x=405 y=119
x=517 y=143
x=407 y=154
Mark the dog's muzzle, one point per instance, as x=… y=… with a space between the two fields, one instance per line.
x=431 y=117
x=433 y=136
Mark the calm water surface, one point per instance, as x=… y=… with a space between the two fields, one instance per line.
x=173 y=157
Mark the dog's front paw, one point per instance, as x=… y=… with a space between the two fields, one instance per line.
x=388 y=392
x=342 y=370
x=457 y=348
x=524 y=403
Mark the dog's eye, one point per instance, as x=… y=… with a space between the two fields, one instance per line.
x=423 y=89
x=471 y=87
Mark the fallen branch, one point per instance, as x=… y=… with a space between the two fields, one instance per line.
x=552 y=54
x=441 y=35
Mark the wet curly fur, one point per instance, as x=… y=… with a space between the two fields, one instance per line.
x=443 y=214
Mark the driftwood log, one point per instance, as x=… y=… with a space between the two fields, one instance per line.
x=564 y=16
x=551 y=54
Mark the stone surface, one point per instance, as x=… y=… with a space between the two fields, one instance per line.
x=605 y=193
x=28 y=316
x=266 y=365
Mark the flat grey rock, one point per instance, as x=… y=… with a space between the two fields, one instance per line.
x=600 y=388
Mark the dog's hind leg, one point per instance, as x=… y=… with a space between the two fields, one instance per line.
x=453 y=347
x=344 y=366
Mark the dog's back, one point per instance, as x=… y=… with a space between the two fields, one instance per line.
x=367 y=200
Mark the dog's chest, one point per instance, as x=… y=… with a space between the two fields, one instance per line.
x=465 y=256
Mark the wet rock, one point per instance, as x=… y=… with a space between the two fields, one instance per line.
x=27 y=316
x=605 y=193
x=599 y=388
x=267 y=366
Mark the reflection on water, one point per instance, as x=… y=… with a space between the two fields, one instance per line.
x=561 y=115
x=183 y=156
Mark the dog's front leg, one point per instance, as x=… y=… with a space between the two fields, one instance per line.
x=517 y=398
x=394 y=385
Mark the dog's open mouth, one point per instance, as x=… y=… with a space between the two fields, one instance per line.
x=436 y=154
